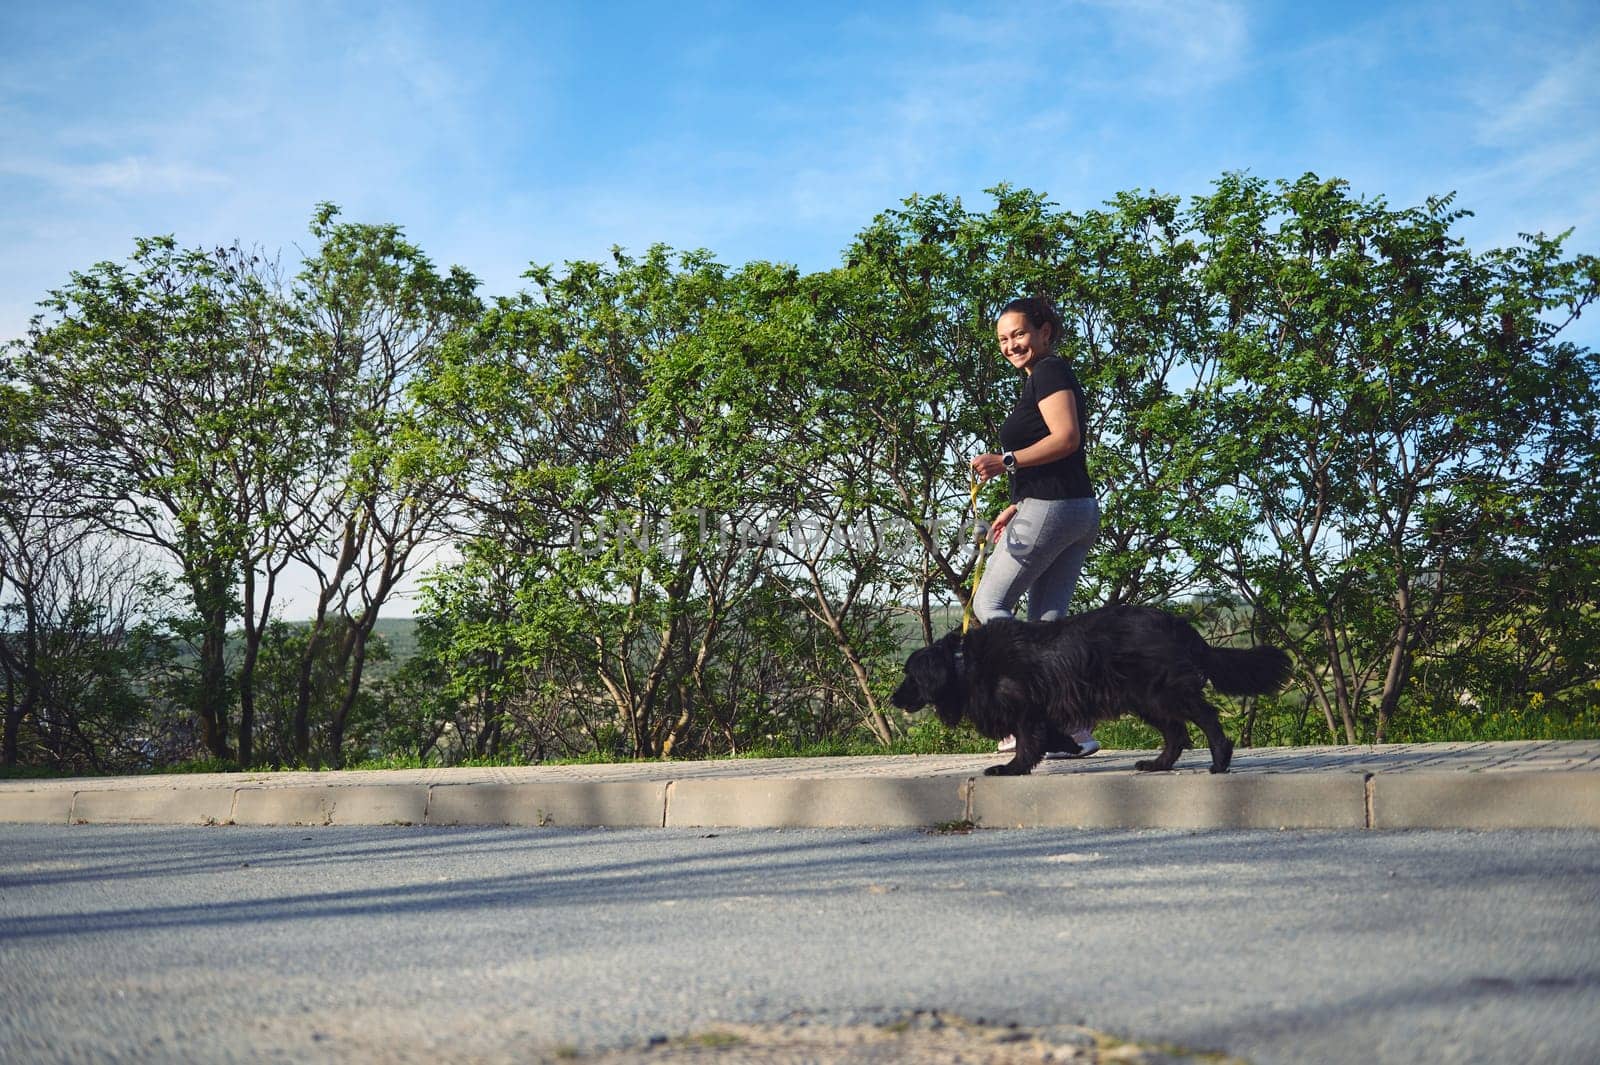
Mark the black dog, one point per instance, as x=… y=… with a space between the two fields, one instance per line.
x=1039 y=681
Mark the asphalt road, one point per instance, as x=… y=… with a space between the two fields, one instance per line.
x=413 y=944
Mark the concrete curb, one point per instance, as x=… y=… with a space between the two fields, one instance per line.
x=162 y=806
x=1472 y=786
x=910 y=803
x=616 y=804
x=37 y=807
x=1187 y=800
x=1484 y=800
x=360 y=804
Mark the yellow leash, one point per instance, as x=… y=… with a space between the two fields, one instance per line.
x=983 y=548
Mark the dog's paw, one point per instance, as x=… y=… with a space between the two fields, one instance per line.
x=1219 y=769
x=1150 y=765
x=1009 y=769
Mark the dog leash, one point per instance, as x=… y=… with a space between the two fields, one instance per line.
x=983 y=547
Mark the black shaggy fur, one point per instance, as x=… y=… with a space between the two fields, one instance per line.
x=1040 y=681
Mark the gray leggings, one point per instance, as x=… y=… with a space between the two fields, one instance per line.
x=1041 y=552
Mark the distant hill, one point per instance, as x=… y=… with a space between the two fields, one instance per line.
x=401 y=636
x=398 y=634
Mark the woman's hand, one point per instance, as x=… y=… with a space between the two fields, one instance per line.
x=987 y=466
x=1001 y=520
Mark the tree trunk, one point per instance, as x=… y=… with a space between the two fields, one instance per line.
x=875 y=718
x=214 y=690
x=211 y=600
x=1394 y=682
x=697 y=675
x=16 y=712
x=1341 y=683
x=315 y=642
x=621 y=701
x=1319 y=696
x=352 y=691
x=926 y=614
x=336 y=743
x=302 y=699
x=247 y=702
x=247 y=672
x=255 y=630
x=17 y=709
x=1399 y=672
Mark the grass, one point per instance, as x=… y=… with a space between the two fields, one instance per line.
x=27 y=772
x=1522 y=723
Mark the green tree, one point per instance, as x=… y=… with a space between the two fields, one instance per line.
x=153 y=375
x=564 y=475
x=1389 y=404
x=746 y=413
x=78 y=653
x=373 y=316
x=38 y=531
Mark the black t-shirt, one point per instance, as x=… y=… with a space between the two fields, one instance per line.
x=1066 y=478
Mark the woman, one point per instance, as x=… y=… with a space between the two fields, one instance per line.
x=1053 y=516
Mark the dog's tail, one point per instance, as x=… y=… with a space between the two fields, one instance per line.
x=1253 y=671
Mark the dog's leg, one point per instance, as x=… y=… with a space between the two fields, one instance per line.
x=1059 y=739
x=1029 y=752
x=1175 y=737
x=1202 y=713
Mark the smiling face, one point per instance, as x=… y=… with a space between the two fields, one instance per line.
x=1022 y=342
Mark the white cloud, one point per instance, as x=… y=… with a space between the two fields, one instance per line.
x=1542 y=140
x=1563 y=101
x=1158 y=48
x=131 y=175
x=1198 y=41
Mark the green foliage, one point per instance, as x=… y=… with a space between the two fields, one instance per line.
x=200 y=765
x=1395 y=412
x=697 y=510
x=158 y=403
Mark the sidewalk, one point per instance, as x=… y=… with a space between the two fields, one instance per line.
x=1436 y=785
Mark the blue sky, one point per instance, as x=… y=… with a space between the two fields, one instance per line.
x=499 y=134
x=504 y=134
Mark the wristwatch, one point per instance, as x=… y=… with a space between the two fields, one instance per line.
x=1009 y=460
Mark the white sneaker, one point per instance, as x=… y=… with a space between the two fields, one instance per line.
x=1006 y=746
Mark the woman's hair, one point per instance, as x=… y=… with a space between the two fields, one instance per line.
x=1039 y=312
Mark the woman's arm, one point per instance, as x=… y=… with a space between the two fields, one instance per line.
x=1060 y=415
x=1001 y=520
